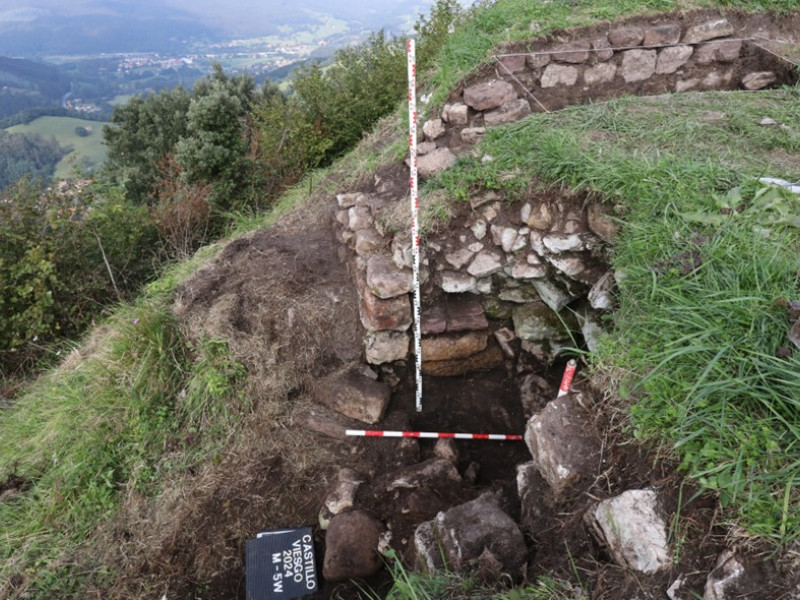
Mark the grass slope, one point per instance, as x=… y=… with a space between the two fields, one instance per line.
x=87 y=152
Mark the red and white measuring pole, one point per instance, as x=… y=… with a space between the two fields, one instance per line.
x=498 y=437
x=566 y=380
x=414 y=185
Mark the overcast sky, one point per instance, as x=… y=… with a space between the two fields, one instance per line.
x=235 y=16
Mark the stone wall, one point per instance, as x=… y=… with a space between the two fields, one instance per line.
x=638 y=58
x=530 y=276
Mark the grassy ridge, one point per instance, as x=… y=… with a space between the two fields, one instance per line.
x=707 y=262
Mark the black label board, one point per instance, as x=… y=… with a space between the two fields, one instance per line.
x=280 y=565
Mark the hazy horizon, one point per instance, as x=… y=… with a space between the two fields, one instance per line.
x=35 y=27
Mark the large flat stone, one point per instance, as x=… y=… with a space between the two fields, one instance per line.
x=486 y=360
x=455 y=114
x=673 y=58
x=624 y=37
x=386 y=346
x=435 y=162
x=631 y=527
x=507 y=113
x=555 y=75
x=562 y=442
x=638 y=65
x=385 y=280
x=433 y=129
x=725 y=51
x=600 y=73
x=488 y=95
x=662 y=35
x=465 y=314
x=453 y=346
x=574 y=52
x=455 y=282
x=393 y=314
x=353 y=395
x=708 y=31
x=485 y=263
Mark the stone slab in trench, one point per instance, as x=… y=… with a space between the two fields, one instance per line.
x=353 y=395
x=351 y=546
x=475 y=535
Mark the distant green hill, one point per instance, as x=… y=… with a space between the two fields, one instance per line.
x=25 y=84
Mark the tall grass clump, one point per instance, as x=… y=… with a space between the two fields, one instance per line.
x=144 y=405
x=412 y=585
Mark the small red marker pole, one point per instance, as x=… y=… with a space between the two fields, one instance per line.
x=566 y=380
x=498 y=437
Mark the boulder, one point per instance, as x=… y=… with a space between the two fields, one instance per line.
x=632 y=529
x=602 y=49
x=475 y=535
x=574 y=52
x=488 y=95
x=435 y=162
x=393 y=314
x=455 y=282
x=455 y=114
x=562 y=442
x=433 y=129
x=367 y=241
x=527 y=270
x=508 y=113
x=385 y=280
x=486 y=263
x=353 y=395
x=351 y=546
x=459 y=258
x=662 y=35
x=673 y=58
x=708 y=31
x=386 y=346
x=624 y=37
x=425 y=147
x=724 y=51
x=555 y=75
x=445 y=448
x=600 y=73
x=350 y=200
x=638 y=65
x=512 y=63
x=453 y=346
x=758 y=80
x=359 y=217
x=537 y=60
